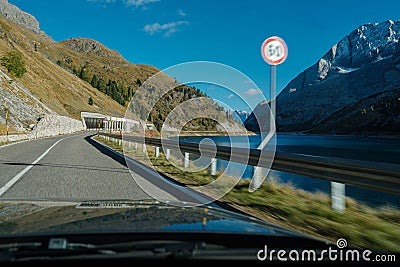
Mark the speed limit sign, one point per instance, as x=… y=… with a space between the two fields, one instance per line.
x=274 y=50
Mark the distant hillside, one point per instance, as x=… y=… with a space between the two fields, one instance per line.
x=104 y=69
x=111 y=74
x=75 y=75
x=353 y=88
x=45 y=83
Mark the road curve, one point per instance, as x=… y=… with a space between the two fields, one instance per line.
x=64 y=168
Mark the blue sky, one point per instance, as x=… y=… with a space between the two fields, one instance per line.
x=164 y=33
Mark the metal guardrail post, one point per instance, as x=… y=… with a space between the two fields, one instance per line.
x=213 y=167
x=257 y=177
x=186 y=160
x=168 y=153
x=338 y=197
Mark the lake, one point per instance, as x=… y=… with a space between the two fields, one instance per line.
x=378 y=149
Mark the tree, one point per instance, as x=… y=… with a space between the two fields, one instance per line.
x=102 y=85
x=130 y=93
x=14 y=63
x=90 y=101
x=95 y=81
x=75 y=71
x=83 y=74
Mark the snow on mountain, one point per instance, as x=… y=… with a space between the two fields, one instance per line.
x=240 y=115
x=363 y=65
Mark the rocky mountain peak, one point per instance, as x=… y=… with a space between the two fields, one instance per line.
x=86 y=45
x=369 y=43
x=18 y=16
x=354 y=87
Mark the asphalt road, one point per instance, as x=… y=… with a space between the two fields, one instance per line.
x=69 y=167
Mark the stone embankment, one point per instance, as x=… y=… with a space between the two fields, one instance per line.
x=50 y=125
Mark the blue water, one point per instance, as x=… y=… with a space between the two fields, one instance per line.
x=377 y=149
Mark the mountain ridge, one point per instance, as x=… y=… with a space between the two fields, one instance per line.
x=75 y=75
x=363 y=66
x=16 y=15
x=87 y=45
x=45 y=89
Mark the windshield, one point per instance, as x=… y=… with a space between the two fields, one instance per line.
x=199 y=122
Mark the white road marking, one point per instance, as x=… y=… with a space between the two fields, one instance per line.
x=19 y=175
x=14 y=143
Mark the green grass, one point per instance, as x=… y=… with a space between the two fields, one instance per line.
x=377 y=229
x=364 y=227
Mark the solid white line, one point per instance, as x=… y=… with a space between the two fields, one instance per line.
x=14 y=143
x=40 y=138
x=19 y=175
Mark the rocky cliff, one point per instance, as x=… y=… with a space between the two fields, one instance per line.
x=354 y=87
x=18 y=16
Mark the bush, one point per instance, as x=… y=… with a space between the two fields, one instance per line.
x=90 y=101
x=14 y=63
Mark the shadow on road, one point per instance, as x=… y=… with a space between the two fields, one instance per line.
x=67 y=166
x=77 y=166
x=105 y=151
x=170 y=190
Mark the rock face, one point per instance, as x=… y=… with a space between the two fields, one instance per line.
x=354 y=87
x=18 y=16
x=86 y=45
x=259 y=119
x=23 y=106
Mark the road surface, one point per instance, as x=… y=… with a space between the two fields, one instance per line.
x=72 y=167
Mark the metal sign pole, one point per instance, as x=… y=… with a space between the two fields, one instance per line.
x=273 y=95
x=274 y=51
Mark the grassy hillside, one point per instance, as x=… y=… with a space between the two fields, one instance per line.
x=108 y=72
x=80 y=74
x=104 y=69
x=57 y=88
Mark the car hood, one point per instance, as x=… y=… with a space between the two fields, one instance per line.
x=126 y=216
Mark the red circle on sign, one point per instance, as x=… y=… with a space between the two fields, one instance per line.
x=267 y=58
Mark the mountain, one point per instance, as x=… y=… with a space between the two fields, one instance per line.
x=260 y=114
x=45 y=88
x=240 y=115
x=18 y=16
x=105 y=69
x=353 y=88
x=75 y=75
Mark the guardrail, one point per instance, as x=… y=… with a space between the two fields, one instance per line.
x=339 y=171
x=372 y=175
